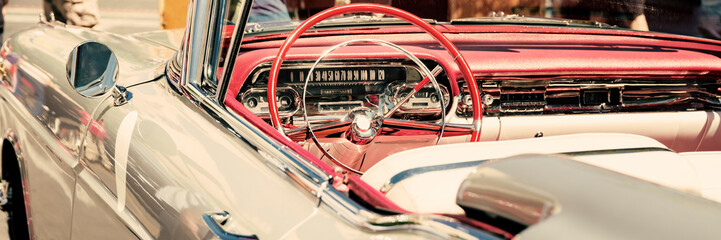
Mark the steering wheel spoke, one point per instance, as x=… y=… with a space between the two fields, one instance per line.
x=437 y=70
x=398 y=127
x=334 y=129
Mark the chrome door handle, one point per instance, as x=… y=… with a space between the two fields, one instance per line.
x=215 y=222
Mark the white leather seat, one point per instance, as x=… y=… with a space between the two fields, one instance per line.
x=708 y=170
x=426 y=180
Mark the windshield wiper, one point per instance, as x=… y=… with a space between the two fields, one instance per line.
x=253 y=27
x=342 y=21
x=522 y=20
x=364 y=20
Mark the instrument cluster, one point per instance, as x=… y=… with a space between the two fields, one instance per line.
x=337 y=87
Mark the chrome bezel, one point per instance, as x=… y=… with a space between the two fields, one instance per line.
x=283 y=114
x=394 y=97
x=334 y=63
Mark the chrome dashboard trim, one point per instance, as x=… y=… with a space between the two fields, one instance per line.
x=321 y=118
x=321 y=104
x=295 y=98
x=509 y=97
x=332 y=63
x=399 y=107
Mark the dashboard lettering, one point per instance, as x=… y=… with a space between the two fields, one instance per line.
x=349 y=74
x=336 y=91
x=364 y=75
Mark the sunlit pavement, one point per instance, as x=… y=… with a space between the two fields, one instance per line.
x=4 y=225
x=122 y=17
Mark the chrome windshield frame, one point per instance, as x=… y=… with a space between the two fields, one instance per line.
x=199 y=53
x=197 y=59
x=196 y=37
x=235 y=41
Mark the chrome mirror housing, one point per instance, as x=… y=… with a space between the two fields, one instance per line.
x=92 y=69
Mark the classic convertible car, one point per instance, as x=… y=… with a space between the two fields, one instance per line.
x=327 y=120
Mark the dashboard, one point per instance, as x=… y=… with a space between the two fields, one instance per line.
x=518 y=76
x=336 y=87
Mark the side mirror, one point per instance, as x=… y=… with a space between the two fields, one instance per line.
x=92 y=69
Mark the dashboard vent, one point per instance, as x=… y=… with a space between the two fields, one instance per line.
x=593 y=95
x=522 y=99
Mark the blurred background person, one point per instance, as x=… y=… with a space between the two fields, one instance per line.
x=622 y=13
x=2 y=18
x=269 y=11
x=82 y=13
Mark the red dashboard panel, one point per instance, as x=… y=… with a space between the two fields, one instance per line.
x=516 y=51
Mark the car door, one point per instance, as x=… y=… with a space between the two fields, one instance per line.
x=126 y=186
x=96 y=214
x=166 y=163
x=44 y=119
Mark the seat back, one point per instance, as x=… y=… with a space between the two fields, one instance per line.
x=427 y=179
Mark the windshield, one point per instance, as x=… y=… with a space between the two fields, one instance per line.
x=688 y=17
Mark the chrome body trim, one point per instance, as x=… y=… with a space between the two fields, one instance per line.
x=440 y=226
x=398 y=177
x=617 y=151
x=212 y=220
x=401 y=176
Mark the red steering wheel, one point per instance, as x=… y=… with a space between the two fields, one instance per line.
x=383 y=9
